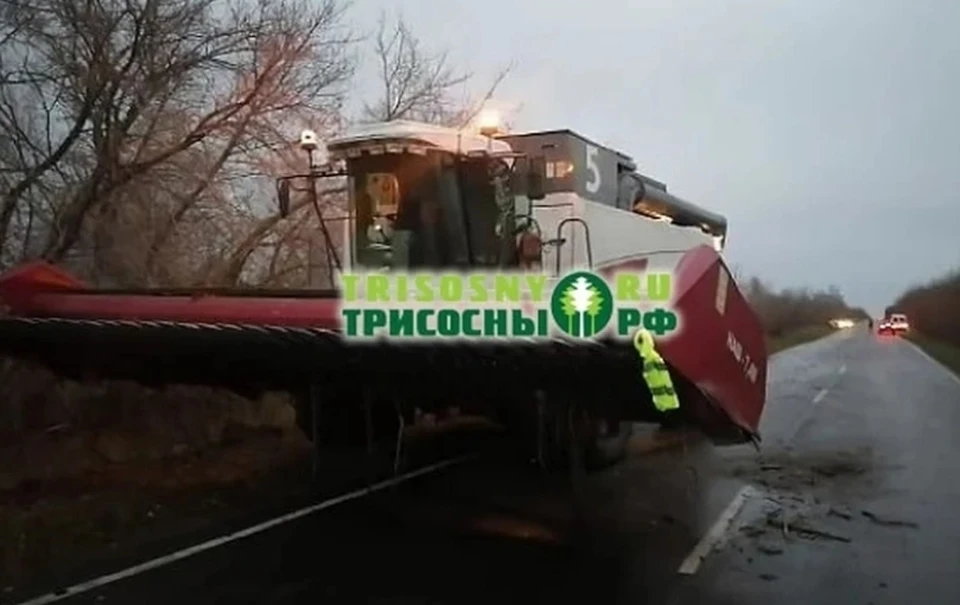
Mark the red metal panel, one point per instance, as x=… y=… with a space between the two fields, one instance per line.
x=715 y=347
x=41 y=290
x=717 y=344
x=700 y=349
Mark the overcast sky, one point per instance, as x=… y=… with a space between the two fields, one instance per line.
x=827 y=131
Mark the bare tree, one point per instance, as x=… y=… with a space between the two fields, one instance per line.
x=418 y=84
x=790 y=310
x=932 y=308
x=130 y=125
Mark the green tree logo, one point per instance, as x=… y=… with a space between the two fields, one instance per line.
x=582 y=304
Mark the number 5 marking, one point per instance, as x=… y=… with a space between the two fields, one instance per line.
x=593 y=185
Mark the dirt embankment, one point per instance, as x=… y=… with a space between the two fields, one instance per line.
x=51 y=429
x=87 y=470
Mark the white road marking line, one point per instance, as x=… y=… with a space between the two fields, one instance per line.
x=717 y=533
x=804 y=417
x=243 y=533
x=843 y=369
x=947 y=370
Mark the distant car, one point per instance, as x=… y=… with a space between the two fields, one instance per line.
x=899 y=323
x=886 y=329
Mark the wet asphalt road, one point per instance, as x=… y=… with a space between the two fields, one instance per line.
x=856 y=500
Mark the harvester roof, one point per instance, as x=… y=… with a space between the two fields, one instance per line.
x=429 y=135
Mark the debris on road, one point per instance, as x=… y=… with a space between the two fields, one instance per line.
x=888 y=522
x=778 y=519
x=836 y=512
x=838 y=468
x=770 y=549
x=790 y=520
x=791 y=472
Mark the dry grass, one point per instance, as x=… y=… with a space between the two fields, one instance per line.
x=934 y=313
x=787 y=314
x=797 y=337
x=49 y=524
x=945 y=353
x=90 y=468
x=934 y=309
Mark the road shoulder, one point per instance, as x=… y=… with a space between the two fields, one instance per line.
x=942 y=353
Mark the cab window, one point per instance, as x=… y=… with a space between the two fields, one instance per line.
x=396 y=211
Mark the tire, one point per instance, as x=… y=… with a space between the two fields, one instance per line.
x=609 y=447
x=304 y=414
x=341 y=425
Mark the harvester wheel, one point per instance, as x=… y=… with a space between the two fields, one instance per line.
x=304 y=413
x=577 y=458
x=609 y=444
x=602 y=443
x=541 y=434
x=345 y=422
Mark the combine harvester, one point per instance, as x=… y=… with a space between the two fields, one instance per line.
x=549 y=202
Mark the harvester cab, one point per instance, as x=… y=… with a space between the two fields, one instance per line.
x=422 y=197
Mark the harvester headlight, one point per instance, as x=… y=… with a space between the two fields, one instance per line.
x=308 y=140
x=489 y=122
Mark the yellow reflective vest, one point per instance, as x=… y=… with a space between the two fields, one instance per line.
x=655 y=373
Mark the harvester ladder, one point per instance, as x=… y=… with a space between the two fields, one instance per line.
x=559 y=241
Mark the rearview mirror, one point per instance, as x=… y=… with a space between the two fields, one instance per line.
x=283 y=197
x=536 y=178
